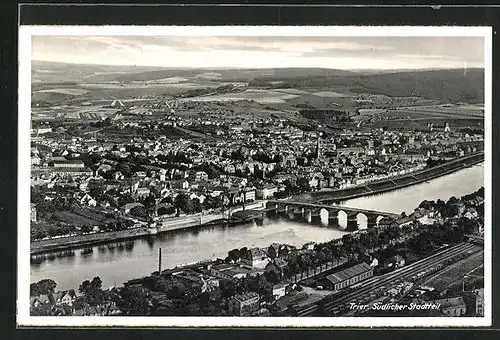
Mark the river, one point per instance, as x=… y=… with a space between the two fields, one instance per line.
x=116 y=264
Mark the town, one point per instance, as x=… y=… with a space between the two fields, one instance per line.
x=132 y=174
x=418 y=261
x=128 y=171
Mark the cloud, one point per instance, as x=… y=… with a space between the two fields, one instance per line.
x=261 y=51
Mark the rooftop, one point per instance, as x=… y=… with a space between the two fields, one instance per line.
x=348 y=273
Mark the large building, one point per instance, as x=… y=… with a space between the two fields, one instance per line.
x=244 y=304
x=479 y=302
x=349 y=276
x=452 y=306
x=256 y=258
x=68 y=163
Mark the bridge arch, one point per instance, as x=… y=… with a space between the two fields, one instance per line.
x=324 y=216
x=379 y=217
x=342 y=219
x=271 y=205
x=362 y=221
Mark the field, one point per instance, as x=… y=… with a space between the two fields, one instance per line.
x=260 y=96
x=80 y=91
x=64 y=90
x=422 y=123
x=453 y=274
x=329 y=94
x=74 y=219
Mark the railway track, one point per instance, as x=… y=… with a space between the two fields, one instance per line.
x=368 y=290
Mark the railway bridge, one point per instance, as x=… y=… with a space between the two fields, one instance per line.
x=331 y=215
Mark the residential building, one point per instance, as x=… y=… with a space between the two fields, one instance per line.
x=279 y=290
x=256 y=258
x=142 y=192
x=64 y=163
x=33 y=212
x=244 y=304
x=266 y=192
x=479 y=301
x=249 y=194
x=452 y=306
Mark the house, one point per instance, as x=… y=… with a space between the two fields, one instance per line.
x=244 y=304
x=395 y=262
x=33 y=212
x=142 y=192
x=117 y=175
x=249 y=194
x=200 y=176
x=43 y=299
x=277 y=266
x=180 y=184
x=279 y=290
x=479 y=301
x=87 y=200
x=256 y=258
x=349 y=276
x=451 y=306
x=266 y=192
x=199 y=197
x=65 y=297
x=64 y=163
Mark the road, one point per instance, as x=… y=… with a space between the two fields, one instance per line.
x=369 y=290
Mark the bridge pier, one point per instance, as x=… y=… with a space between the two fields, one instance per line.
x=308 y=215
x=282 y=210
x=372 y=221
x=298 y=213
x=352 y=221
x=333 y=220
x=316 y=216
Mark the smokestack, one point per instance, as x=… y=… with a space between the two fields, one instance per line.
x=159 y=261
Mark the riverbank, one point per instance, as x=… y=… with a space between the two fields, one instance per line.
x=71 y=242
x=407 y=180
x=191 y=221
x=165 y=226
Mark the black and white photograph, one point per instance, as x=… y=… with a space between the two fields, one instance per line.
x=254 y=176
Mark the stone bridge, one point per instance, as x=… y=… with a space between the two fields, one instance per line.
x=337 y=216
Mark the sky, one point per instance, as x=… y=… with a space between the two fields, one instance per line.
x=348 y=53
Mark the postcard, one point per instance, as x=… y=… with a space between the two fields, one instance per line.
x=254 y=176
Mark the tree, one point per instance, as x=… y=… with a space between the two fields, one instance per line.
x=134 y=301
x=196 y=205
x=86 y=228
x=92 y=290
x=303 y=184
x=183 y=202
x=139 y=211
x=149 y=201
x=168 y=210
x=234 y=255
x=43 y=287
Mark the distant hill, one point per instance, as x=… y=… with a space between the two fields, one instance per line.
x=237 y=74
x=446 y=85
